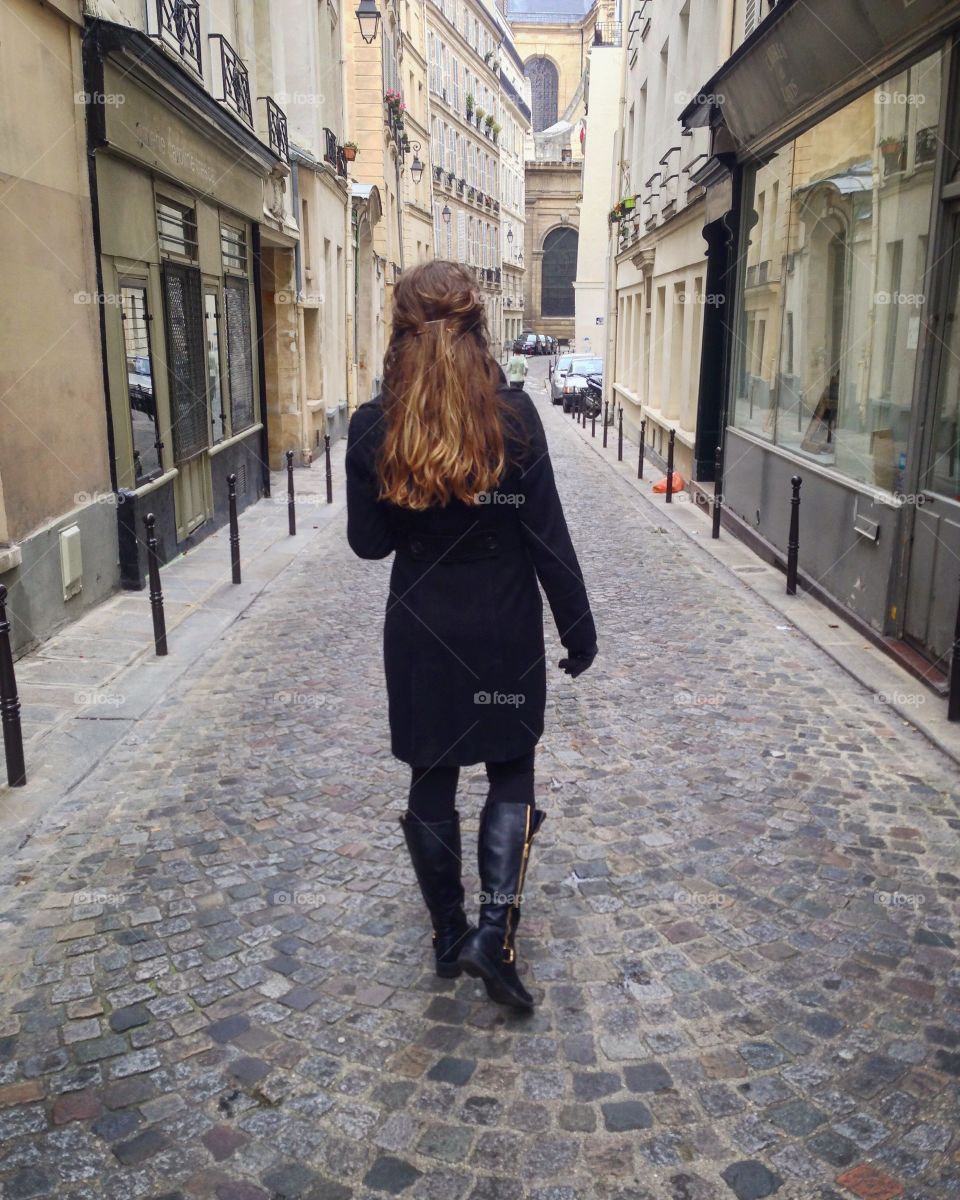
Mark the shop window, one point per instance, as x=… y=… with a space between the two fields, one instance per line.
x=236 y=302
x=559 y=272
x=831 y=288
x=147 y=448
x=186 y=366
x=176 y=229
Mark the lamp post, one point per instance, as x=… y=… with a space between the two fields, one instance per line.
x=446 y=214
x=368 y=16
x=416 y=167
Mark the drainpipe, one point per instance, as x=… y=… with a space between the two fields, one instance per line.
x=261 y=363
x=96 y=136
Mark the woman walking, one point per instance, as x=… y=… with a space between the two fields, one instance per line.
x=448 y=470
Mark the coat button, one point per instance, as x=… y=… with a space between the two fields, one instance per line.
x=491 y=541
x=416 y=547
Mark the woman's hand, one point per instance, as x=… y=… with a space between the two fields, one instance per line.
x=577 y=661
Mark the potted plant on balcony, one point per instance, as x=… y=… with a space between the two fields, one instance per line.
x=489 y=123
x=470 y=103
x=497 y=127
x=350 y=151
x=478 y=113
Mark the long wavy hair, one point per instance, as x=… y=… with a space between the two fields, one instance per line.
x=444 y=417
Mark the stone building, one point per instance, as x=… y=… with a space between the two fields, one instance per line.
x=554 y=46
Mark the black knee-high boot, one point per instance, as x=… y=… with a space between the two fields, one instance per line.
x=503 y=851
x=435 y=853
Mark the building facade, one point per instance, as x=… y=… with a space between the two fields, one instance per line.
x=58 y=523
x=832 y=170
x=656 y=229
x=416 y=189
x=463 y=61
x=554 y=47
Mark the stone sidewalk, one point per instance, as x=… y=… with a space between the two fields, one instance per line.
x=214 y=961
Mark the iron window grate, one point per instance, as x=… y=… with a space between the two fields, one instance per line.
x=183 y=310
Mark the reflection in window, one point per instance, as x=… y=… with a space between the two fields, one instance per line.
x=832 y=282
x=147 y=458
x=558 y=272
x=544 y=91
x=211 y=321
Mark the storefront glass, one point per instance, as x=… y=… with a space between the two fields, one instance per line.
x=832 y=283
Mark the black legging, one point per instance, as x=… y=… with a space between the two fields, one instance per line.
x=433 y=790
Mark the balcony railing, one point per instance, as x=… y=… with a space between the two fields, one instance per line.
x=234 y=79
x=607 y=33
x=926 y=145
x=333 y=153
x=277 y=137
x=176 y=23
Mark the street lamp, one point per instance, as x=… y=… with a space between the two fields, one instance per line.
x=416 y=167
x=446 y=214
x=368 y=16
x=510 y=235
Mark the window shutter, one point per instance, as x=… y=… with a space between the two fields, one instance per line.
x=183 y=313
x=236 y=305
x=461 y=237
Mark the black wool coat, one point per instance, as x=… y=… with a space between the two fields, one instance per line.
x=463 y=636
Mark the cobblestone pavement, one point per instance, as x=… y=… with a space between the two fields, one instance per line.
x=741 y=923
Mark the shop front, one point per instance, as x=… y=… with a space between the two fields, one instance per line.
x=179 y=185
x=840 y=363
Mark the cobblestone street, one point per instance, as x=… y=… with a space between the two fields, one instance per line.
x=740 y=921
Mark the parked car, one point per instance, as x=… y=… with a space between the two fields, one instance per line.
x=578 y=365
x=528 y=343
x=543 y=344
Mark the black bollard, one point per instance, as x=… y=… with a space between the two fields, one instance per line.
x=156 y=592
x=606 y=405
x=593 y=420
x=620 y=434
x=953 y=695
x=793 y=542
x=640 y=456
x=291 y=506
x=670 y=441
x=234 y=528
x=717 y=490
x=326 y=455
x=10 y=703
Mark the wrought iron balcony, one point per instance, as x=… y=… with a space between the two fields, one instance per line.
x=607 y=33
x=234 y=79
x=277 y=137
x=926 y=145
x=333 y=153
x=176 y=23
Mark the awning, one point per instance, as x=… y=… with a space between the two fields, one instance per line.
x=805 y=57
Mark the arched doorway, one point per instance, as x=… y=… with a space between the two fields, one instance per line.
x=558 y=271
x=544 y=91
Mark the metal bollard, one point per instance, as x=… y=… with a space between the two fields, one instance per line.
x=953 y=694
x=670 y=441
x=620 y=434
x=326 y=455
x=156 y=592
x=10 y=703
x=717 y=490
x=234 y=528
x=593 y=421
x=606 y=405
x=793 y=541
x=291 y=506
x=643 y=439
